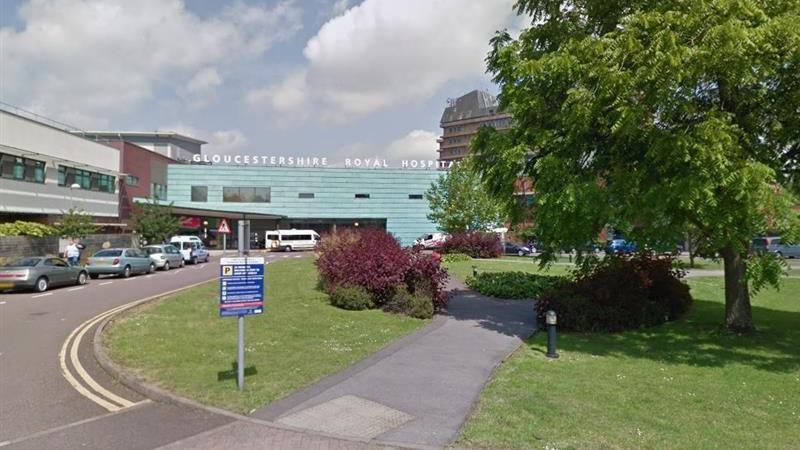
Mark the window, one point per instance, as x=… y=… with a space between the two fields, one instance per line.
x=415 y=196
x=362 y=195
x=158 y=191
x=199 y=193
x=246 y=195
x=305 y=195
x=23 y=169
x=67 y=176
x=132 y=180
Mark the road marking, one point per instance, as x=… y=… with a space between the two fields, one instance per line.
x=107 y=282
x=129 y=279
x=148 y=276
x=42 y=295
x=75 y=289
x=2 y=303
x=106 y=398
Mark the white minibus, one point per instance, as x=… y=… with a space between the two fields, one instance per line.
x=290 y=240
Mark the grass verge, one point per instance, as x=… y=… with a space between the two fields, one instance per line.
x=181 y=343
x=682 y=385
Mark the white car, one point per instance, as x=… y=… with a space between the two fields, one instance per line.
x=432 y=241
x=165 y=256
x=191 y=247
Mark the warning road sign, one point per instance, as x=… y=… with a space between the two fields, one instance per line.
x=223 y=227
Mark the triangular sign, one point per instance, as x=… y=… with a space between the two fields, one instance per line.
x=223 y=227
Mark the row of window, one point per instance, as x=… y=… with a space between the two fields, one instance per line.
x=23 y=169
x=259 y=195
x=93 y=181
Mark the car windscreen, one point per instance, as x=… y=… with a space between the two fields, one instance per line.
x=23 y=262
x=107 y=253
x=153 y=250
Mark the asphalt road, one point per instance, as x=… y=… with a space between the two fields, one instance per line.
x=41 y=408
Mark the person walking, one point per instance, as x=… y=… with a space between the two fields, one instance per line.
x=73 y=253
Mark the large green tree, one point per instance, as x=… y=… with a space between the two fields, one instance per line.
x=460 y=203
x=76 y=224
x=154 y=222
x=654 y=117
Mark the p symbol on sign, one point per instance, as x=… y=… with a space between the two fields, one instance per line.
x=227 y=271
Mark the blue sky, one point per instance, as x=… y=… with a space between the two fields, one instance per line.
x=281 y=77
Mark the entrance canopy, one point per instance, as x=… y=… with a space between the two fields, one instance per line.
x=209 y=212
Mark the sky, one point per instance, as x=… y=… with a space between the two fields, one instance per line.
x=335 y=78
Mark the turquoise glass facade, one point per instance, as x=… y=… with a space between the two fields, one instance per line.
x=394 y=194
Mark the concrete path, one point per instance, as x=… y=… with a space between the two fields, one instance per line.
x=416 y=392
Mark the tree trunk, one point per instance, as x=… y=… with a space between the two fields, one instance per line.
x=738 y=313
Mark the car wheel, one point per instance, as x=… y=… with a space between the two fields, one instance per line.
x=780 y=255
x=42 y=284
x=94 y=276
x=194 y=260
x=126 y=272
x=82 y=278
x=207 y=258
x=183 y=263
x=520 y=253
x=152 y=268
x=166 y=266
x=288 y=248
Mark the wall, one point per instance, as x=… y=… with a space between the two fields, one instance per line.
x=148 y=166
x=334 y=190
x=17 y=246
x=54 y=147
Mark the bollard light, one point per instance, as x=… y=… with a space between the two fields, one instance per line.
x=475 y=271
x=551 y=319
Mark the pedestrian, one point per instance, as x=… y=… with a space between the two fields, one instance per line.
x=73 y=253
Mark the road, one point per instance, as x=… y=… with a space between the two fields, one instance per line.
x=52 y=392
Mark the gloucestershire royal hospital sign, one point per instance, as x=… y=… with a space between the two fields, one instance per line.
x=317 y=161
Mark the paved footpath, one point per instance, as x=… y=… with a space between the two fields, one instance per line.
x=417 y=391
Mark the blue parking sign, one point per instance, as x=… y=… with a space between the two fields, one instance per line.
x=241 y=286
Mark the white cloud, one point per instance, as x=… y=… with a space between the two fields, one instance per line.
x=200 y=90
x=339 y=7
x=417 y=144
x=220 y=141
x=383 y=53
x=289 y=97
x=105 y=57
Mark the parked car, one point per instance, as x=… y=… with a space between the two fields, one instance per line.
x=120 y=261
x=784 y=250
x=192 y=248
x=620 y=245
x=510 y=248
x=40 y=273
x=290 y=240
x=762 y=244
x=164 y=256
x=431 y=241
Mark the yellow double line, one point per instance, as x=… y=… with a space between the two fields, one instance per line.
x=90 y=388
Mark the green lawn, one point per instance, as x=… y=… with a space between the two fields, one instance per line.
x=463 y=269
x=682 y=385
x=183 y=345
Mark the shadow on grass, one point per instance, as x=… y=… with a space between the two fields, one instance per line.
x=698 y=340
x=231 y=374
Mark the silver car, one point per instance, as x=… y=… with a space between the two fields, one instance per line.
x=120 y=261
x=39 y=273
x=164 y=256
x=784 y=250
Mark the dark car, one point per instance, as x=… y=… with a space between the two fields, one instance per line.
x=620 y=245
x=511 y=248
x=39 y=273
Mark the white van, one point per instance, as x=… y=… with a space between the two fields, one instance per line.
x=191 y=248
x=290 y=240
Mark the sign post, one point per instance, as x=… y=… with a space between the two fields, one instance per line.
x=241 y=290
x=224 y=229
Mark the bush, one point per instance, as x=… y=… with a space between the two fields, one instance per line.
x=455 y=257
x=619 y=293
x=373 y=260
x=351 y=297
x=418 y=304
x=476 y=244
x=22 y=228
x=511 y=284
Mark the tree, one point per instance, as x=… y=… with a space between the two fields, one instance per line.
x=154 y=222
x=76 y=223
x=654 y=117
x=459 y=202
